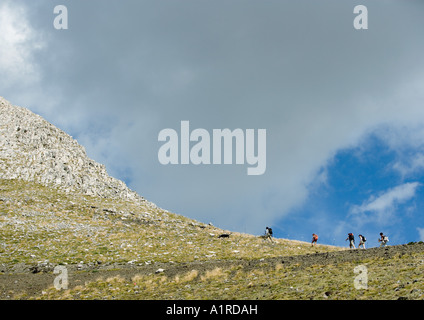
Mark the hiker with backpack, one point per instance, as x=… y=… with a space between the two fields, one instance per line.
x=362 y=240
x=314 y=239
x=268 y=234
x=383 y=240
x=351 y=239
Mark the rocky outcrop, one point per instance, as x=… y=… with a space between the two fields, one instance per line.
x=32 y=149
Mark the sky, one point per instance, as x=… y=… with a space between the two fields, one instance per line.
x=343 y=108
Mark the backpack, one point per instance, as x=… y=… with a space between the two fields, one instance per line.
x=364 y=239
x=270 y=231
x=386 y=238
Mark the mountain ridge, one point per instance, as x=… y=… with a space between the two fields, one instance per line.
x=32 y=149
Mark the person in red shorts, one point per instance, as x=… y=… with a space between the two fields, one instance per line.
x=314 y=239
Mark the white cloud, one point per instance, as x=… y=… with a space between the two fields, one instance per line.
x=410 y=165
x=385 y=204
x=421 y=233
x=19 y=42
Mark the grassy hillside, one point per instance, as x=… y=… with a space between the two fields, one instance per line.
x=39 y=223
x=117 y=249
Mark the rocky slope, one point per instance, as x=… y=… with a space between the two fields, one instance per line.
x=32 y=149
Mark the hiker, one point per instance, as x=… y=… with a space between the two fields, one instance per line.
x=314 y=239
x=383 y=240
x=362 y=240
x=351 y=239
x=268 y=234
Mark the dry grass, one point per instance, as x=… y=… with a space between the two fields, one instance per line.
x=188 y=277
x=387 y=279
